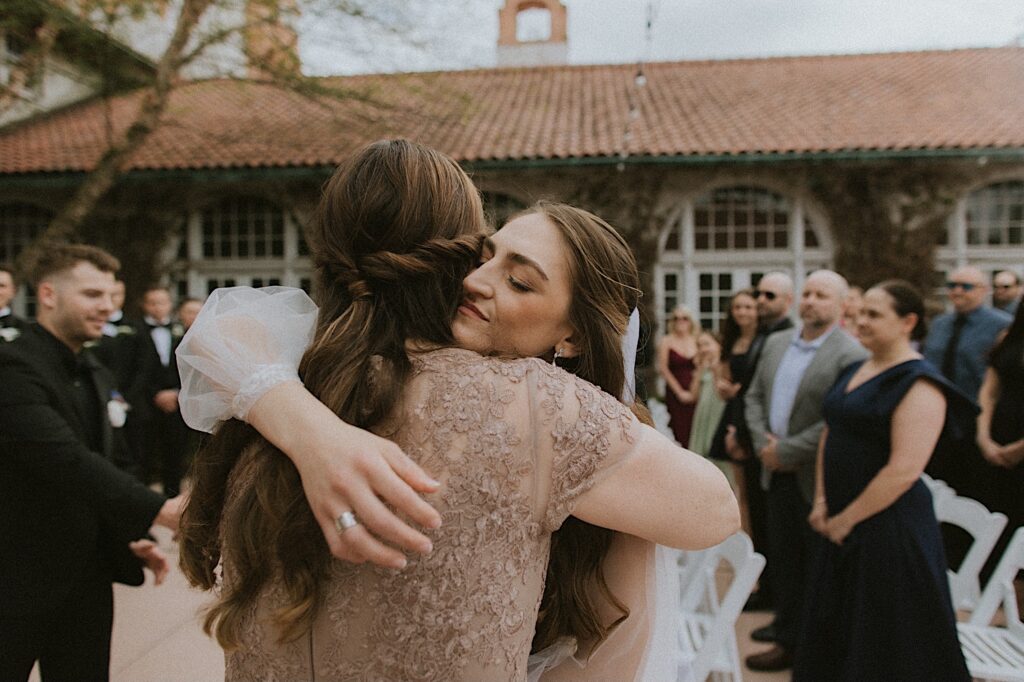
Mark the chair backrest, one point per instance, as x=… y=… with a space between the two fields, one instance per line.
x=659 y=413
x=738 y=552
x=984 y=527
x=938 y=488
x=697 y=580
x=1000 y=591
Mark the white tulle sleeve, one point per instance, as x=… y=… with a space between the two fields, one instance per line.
x=244 y=342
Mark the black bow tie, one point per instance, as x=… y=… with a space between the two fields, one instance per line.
x=159 y=326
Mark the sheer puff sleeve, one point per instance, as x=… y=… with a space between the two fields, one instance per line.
x=244 y=342
x=582 y=434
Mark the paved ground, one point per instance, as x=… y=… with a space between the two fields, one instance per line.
x=158 y=637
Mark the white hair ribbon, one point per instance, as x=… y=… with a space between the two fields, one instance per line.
x=629 y=344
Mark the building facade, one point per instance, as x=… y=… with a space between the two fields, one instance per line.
x=905 y=164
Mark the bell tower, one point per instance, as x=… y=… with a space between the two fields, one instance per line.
x=532 y=33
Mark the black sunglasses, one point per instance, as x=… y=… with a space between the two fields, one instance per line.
x=966 y=286
x=770 y=295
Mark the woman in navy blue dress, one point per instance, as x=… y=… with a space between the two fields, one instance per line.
x=878 y=605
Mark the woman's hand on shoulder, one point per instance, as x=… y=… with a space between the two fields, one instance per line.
x=368 y=475
x=346 y=469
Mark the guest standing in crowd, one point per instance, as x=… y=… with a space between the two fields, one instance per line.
x=188 y=311
x=854 y=301
x=731 y=441
x=878 y=605
x=71 y=522
x=115 y=349
x=155 y=391
x=8 y=290
x=677 y=351
x=1006 y=290
x=784 y=413
x=1001 y=434
x=710 y=406
x=958 y=344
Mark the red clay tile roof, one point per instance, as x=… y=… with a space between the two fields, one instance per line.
x=952 y=100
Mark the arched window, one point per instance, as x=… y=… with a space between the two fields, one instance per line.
x=740 y=218
x=985 y=230
x=241 y=241
x=533 y=24
x=726 y=239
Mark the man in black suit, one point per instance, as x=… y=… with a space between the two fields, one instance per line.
x=71 y=522
x=8 y=320
x=154 y=391
x=115 y=347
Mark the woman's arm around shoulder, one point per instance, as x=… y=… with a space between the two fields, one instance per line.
x=610 y=470
x=240 y=359
x=665 y=494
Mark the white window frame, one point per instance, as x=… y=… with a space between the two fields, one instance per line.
x=688 y=263
x=290 y=269
x=989 y=258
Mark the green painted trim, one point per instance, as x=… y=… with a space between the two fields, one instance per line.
x=186 y=177
x=229 y=175
x=1011 y=154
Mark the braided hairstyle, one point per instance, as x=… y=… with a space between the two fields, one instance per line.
x=398 y=228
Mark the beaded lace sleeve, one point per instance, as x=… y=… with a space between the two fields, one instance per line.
x=244 y=342
x=584 y=435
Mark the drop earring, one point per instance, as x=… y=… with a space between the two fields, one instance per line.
x=558 y=354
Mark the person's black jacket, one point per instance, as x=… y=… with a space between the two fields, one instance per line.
x=64 y=509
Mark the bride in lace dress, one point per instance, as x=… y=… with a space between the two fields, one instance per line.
x=517 y=445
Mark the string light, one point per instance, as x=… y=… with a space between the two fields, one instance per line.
x=639 y=83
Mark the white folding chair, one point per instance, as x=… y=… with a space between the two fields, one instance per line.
x=939 y=489
x=659 y=412
x=707 y=629
x=984 y=527
x=997 y=653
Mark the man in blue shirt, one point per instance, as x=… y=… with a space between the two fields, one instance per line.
x=1006 y=290
x=958 y=343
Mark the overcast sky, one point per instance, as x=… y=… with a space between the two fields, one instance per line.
x=452 y=34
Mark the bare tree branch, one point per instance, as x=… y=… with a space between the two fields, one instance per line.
x=154 y=102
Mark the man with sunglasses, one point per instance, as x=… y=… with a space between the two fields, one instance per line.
x=774 y=295
x=959 y=341
x=1006 y=290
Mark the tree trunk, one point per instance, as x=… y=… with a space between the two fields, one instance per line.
x=113 y=162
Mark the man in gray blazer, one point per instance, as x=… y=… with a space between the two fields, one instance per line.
x=784 y=413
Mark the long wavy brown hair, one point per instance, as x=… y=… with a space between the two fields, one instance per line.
x=605 y=290
x=398 y=228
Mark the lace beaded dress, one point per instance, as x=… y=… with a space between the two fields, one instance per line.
x=514 y=443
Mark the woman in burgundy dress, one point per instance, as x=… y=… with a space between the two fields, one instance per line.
x=676 y=353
